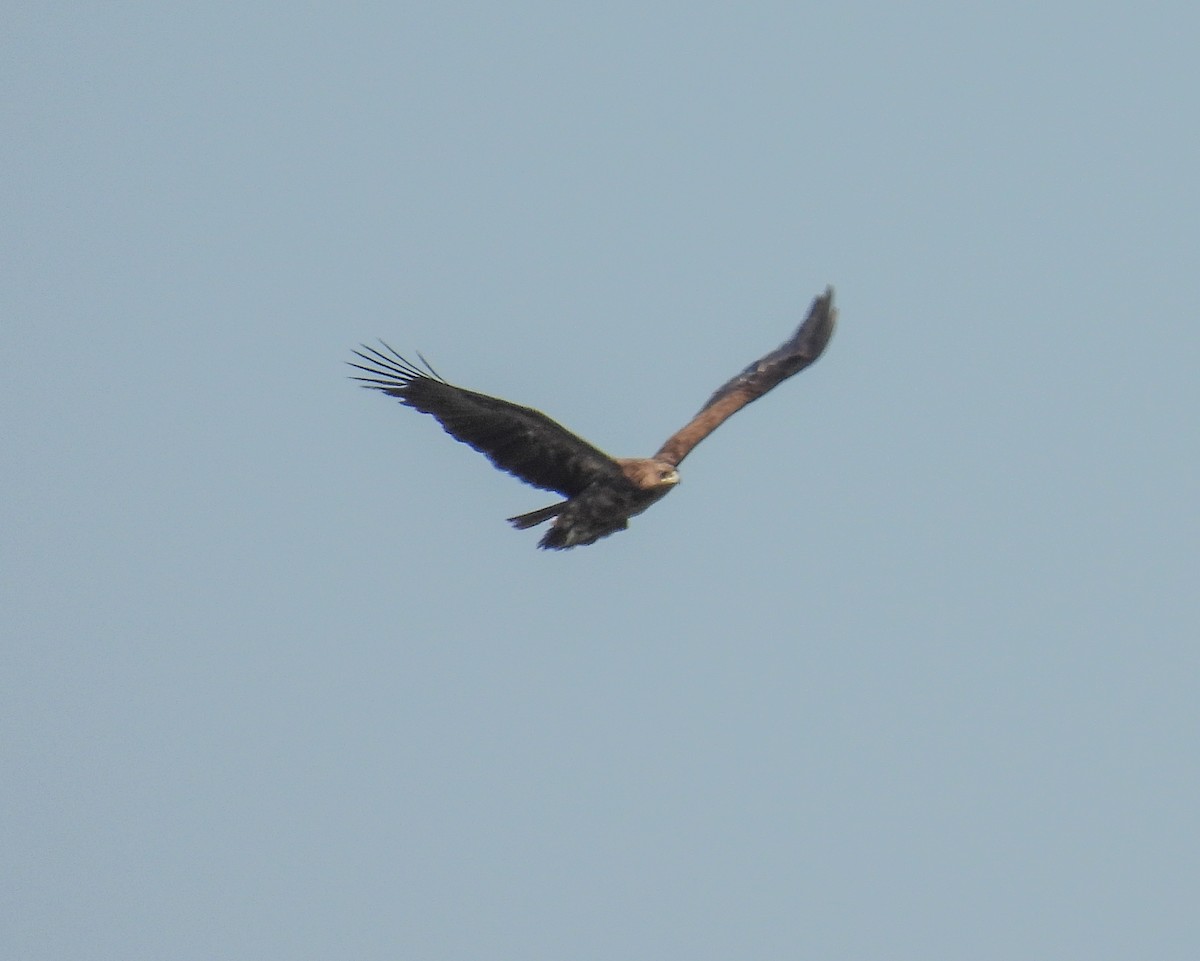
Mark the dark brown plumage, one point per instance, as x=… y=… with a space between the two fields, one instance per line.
x=602 y=492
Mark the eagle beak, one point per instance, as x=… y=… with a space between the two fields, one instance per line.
x=672 y=478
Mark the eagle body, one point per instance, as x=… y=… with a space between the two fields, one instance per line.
x=601 y=492
x=603 y=508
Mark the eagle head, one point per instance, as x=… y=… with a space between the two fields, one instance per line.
x=648 y=474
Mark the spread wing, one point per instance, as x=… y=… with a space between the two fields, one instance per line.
x=522 y=441
x=790 y=358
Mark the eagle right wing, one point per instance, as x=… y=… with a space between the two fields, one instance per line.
x=519 y=440
x=791 y=357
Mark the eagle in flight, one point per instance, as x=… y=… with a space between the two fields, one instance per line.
x=601 y=492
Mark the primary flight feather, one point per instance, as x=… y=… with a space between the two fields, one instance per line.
x=601 y=492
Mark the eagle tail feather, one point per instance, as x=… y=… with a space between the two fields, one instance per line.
x=533 y=518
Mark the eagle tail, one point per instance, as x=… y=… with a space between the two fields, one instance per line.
x=533 y=518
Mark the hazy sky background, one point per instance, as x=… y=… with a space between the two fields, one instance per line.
x=905 y=669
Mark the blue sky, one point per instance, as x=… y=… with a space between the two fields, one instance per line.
x=907 y=666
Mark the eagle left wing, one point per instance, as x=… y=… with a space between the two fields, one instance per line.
x=519 y=440
x=789 y=358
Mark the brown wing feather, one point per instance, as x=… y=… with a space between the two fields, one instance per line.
x=789 y=358
x=520 y=440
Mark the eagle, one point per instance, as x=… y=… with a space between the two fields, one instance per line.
x=601 y=492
